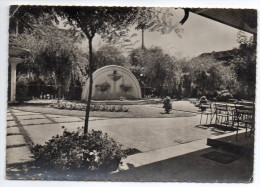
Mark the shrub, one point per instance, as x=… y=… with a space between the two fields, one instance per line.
x=102 y=108
x=112 y=109
x=119 y=108
x=126 y=109
x=167 y=105
x=224 y=95
x=74 y=150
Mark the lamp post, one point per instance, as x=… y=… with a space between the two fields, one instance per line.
x=142 y=83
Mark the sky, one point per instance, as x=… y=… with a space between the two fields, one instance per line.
x=200 y=35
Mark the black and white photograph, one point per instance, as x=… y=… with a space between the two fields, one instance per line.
x=131 y=93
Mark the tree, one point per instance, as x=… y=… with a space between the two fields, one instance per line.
x=56 y=56
x=148 y=19
x=156 y=67
x=52 y=54
x=156 y=19
x=108 y=55
x=24 y=17
x=80 y=68
x=96 y=20
x=244 y=63
x=209 y=75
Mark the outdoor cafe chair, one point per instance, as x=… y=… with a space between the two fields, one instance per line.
x=222 y=113
x=208 y=111
x=226 y=112
x=232 y=101
x=246 y=116
x=232 y=106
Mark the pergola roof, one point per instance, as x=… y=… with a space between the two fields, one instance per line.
x=243 y=19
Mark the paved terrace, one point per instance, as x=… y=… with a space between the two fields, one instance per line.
x=161 y=142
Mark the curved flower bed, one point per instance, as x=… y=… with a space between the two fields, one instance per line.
x=82 y=107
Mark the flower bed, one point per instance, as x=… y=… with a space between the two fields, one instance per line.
x=82 y=107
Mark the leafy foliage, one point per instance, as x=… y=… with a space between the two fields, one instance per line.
x=98 y=20
x=76 y=150
x=24 y=17
x=224 y=95
x=108 y=55
x=157 y=19
x=53 y=54
x=244 y=64
x=154 y=65
x=205 y=75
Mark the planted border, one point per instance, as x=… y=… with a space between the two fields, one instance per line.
x=82 y=107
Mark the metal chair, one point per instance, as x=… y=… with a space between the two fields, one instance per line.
x=246 y=116
x=208 y=112
x=221 y=111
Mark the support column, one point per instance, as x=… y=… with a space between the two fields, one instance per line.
x=14 y=59
x=13 y=62
x=13 y=82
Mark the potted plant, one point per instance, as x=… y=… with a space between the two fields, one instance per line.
x=167 y=104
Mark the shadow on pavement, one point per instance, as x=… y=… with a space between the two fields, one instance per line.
x=34 y=171
x=192 y=167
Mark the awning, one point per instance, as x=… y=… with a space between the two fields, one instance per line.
x=242 y=19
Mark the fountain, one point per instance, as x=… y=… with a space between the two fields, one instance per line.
x=112 y=83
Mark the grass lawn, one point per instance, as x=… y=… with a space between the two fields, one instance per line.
x=180 y=109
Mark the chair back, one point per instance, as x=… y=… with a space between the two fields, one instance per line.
x=221 y=106
x=247 y=110
x=232 y=101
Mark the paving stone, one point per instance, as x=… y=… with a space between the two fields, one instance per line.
x=94 y=118
x=82 y=118
x=35 y=121
x=55 y=116
x=14 y=110
x=14 y=140
x=42 y=133
x=13 y=130
x=18 y=155
x=9 y=118
x=68 y=119
x=27 y=117
x=25 y=113
x=17 y=111
x=11 y=123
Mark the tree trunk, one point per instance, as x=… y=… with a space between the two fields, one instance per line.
x=90 y=86
x=142 y=38
x=59 y=93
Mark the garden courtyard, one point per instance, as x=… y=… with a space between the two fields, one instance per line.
x=93 y=96
x=154 y=138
